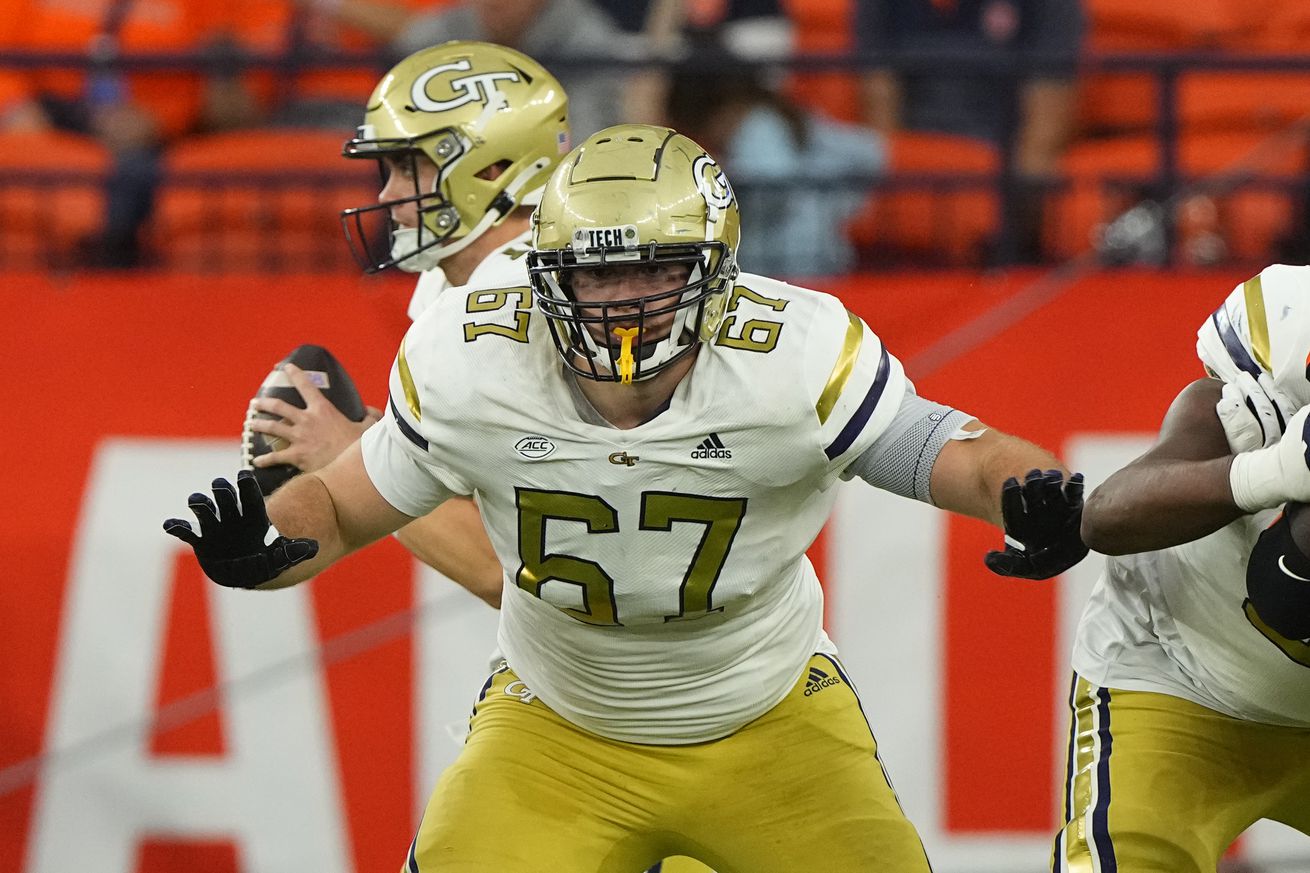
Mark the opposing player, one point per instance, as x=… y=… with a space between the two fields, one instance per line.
x=466 y=134
x=654 y=440
x=1191 y=695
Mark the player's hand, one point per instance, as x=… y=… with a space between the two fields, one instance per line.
x=315 y=434
x=1253 y=412
x=231 y=545
x=1042 y=516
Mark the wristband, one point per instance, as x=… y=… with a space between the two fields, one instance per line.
x=1256 y=479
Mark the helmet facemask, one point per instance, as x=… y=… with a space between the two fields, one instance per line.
x=633 y=196
x=375 y=239
x=575 y=324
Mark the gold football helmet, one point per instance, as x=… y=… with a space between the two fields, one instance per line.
x=634 y=196
x=491 y=119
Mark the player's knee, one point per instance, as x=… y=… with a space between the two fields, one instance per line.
x=1278 y=577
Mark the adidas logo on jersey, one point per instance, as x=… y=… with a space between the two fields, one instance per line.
x=819 y=680
x=711 y=447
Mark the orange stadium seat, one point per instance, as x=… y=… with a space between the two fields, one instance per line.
x=956 y=223
x=1222 y=116
x=1207 y=100
x=266 y=26
x=247 y=210
x=1108 y=177
x=43 y=219
x=824 y=27
x=1286 y=28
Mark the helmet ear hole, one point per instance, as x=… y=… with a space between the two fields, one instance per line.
x=492 y=172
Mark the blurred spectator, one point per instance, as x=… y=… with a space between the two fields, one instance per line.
x=671 y=30
x=133 y=114
x=796 y=172
x=1046 y=34
x=552 y=30
x=757 y=29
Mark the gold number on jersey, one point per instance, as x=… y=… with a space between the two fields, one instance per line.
x=756 y=334
x=539 y=567
x=660 y=510
x=490 y=301
x=1297 y=650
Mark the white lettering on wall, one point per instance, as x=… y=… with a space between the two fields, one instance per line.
x=275 y=792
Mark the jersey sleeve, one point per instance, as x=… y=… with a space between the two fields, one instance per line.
x=398 y=455
x=858 y=384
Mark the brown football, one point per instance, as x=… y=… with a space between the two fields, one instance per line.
x=331 y=378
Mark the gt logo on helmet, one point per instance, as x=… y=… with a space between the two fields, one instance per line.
x=477 y=88
x=712 y=183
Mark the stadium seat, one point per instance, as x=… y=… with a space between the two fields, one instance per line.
x=1127 y=102
x=1108 y=176
x=933 y=217
x=824 y=27
x=1222 y=117
x=258 y=199
x=43 y=217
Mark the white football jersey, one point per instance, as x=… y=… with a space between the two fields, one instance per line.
x=1176 y=621
x=658 y=588
x=507 y=265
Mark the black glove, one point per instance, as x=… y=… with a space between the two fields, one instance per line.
x=230 y=546
x=1042 y=517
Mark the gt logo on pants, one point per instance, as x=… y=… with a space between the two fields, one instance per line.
x=518 y=688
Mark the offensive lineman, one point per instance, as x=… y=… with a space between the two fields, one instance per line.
x=654 y=440
x=466 y=134
x=1191 y=700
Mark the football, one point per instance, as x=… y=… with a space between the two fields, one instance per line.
x=330 y=378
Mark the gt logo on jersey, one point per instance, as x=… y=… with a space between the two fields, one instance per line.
x=477 y=88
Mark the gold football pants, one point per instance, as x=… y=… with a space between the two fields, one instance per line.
x=800 y=788
x=1158 y=784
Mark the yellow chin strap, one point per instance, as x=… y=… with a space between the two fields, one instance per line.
x=627 y=363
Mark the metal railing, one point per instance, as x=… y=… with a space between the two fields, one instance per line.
x=1167 y=184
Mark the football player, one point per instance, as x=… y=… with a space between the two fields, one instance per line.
x=1191 y=694
x=465 y=135
x=654 y=439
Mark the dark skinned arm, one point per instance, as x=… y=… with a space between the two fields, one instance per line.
x=1175 y=493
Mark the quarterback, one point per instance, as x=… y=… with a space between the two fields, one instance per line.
x=465 y=134
x=654 y=439
x=1191 y=694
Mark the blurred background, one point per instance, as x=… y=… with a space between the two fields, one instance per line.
x=1034 y=202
